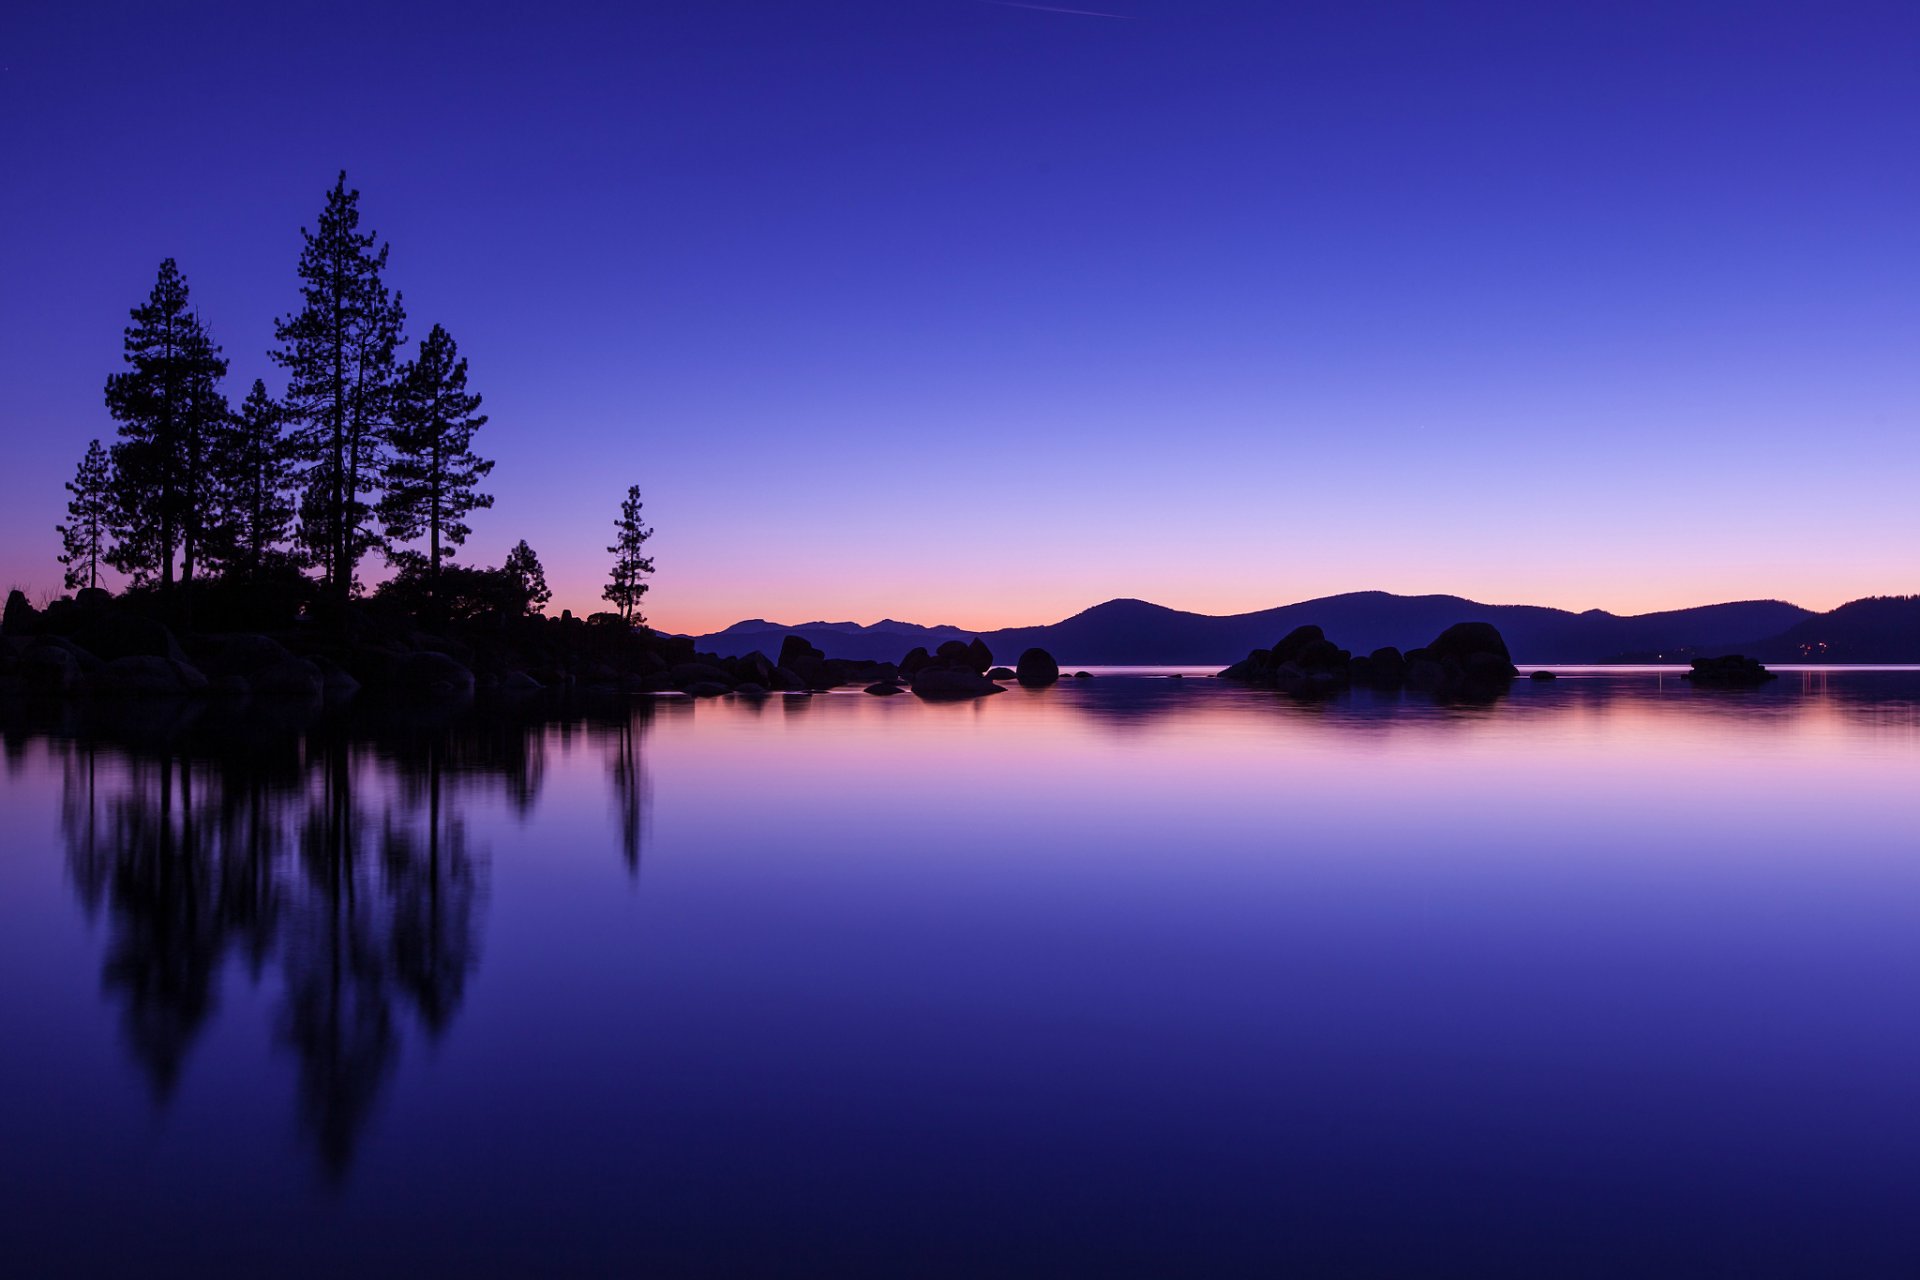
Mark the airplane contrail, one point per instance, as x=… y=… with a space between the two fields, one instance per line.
x=1054 y=8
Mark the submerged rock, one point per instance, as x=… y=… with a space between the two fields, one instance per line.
x=941 y=684
x=885 y=688
x=1734 y=671
x=1543 y=675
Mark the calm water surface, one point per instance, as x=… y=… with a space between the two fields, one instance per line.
x=1130 y=976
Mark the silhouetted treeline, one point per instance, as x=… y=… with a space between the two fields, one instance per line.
x=366 y=450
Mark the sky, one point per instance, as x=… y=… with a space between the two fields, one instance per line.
x=981 y=313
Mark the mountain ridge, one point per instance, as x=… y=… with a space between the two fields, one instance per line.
x=1130 y=631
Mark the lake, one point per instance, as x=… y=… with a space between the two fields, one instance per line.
x=1133 y=975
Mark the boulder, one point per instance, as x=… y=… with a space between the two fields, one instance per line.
x=940 y=684
x=754 y=668
x=20 y=618
x=957 y=653
x=917 y=657
x=794 y=647
x=748 y=689
x=1000 y=673
x=1037 y=669
x=289 y=678
x=787 y=681
x=1543 y=675
x=117 y=633
x=47 y=670
x=979 y=657
x=884 y=689
x=706 y=689
x=686 y=673
x=432 y=675
x=143 y=675
x=1296 y=642
x=1463 y=640
x=1083 y=675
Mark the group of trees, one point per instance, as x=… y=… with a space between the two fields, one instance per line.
x=364 y=452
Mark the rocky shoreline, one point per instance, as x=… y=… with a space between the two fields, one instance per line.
x=93 y=646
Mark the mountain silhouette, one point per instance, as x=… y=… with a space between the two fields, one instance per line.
x=1121 y=632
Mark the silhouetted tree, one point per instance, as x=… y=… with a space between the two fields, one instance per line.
x=168 y=404
x=629 y=565
x=256 y=485
x=432 y=474
x=525 y=568
x=339 y=353
x=83 y=538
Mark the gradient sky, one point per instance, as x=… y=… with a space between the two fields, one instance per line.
x=981 y=313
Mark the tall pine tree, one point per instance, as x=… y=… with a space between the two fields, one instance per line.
x=339 y=353
x=167 y=403
x=83 y=538
x=433 y=472
x=625 y=587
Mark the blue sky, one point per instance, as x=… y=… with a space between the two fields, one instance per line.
x=979 y=313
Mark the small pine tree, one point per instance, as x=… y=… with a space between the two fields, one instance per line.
x=629 y=565
x=433 y=472
x=524 y=567
x=83 y=538
x=256 y=483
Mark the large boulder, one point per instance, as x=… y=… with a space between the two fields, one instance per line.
x=20 y=618
x=1036 y=669
x=433 y=676
x=797 y=647
x=1297 y=642
x=917 y=657
x=957 y=653
x=118 y=633
x=945 y=684
x=979 y=657
x=47 y=670
x=143 y=675
x=1465 y=640
x=686 y=673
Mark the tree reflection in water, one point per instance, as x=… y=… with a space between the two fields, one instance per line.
x=337 y=851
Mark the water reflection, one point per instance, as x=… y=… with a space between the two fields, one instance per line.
x=1135 y=976
x=336 y=853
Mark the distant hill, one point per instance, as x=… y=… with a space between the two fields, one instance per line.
x=1877 y=629
x=1122 y=632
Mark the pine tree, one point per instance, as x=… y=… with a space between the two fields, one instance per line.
x=256 y=484
x=629 y=566
x=524 y=567
x=83 y=538
x=433 y=471
x=167 y=403
x=339 y=352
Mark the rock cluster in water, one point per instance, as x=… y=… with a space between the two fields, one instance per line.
x=95 y=646
x=1467 y=659
x=1734 y=671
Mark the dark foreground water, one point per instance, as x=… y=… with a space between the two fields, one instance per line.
x=1131 y=976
